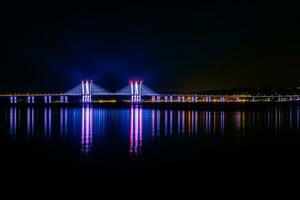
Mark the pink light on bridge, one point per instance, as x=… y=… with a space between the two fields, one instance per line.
x=136 y=91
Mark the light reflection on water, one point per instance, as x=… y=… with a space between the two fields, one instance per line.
x=89 y=126
x=48 y=123
x=63 y=118
x=86 y=129
x=297 y=116
x=13 y=121
x=136 y=131
x=30 y=122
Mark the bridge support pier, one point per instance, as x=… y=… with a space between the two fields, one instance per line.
x=166 y=99
x=47 y=99
x=158 y=98
x=193 y=99
x=30 y=99
x=208 y=99
x=136 y=92
x=66 y=99
x=63 y=99
x=183 y=99
x=12 y=99
x=222 y=99
x=171 y=98
x=153 y=99
x=86 y=99
x=86 y=87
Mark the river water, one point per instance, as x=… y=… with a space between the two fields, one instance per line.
x=137 y=141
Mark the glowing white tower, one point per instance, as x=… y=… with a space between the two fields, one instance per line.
x=86 y=91
x=136 y=91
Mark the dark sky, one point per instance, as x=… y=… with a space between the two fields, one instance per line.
x=52 y=46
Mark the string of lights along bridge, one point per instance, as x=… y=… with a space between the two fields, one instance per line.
x=136 y=92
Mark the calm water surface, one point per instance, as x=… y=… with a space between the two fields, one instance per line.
x=137 y=141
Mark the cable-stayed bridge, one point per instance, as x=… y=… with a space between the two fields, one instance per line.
x=88 y=93
x=136 y=92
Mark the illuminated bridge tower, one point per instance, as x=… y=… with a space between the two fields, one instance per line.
x=136 y=91
x=86 y=91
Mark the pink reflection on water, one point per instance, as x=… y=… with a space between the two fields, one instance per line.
x=136 y=131
x=86 y=129
x=131 y=132
x=141 y=130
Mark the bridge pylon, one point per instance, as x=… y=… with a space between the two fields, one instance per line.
x=136 y=91
x=86 y=91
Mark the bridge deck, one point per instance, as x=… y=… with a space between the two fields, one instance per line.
x=161 y=95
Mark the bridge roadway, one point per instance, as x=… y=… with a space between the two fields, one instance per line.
x=179 y=98
x=161 y=95
x=136 y=92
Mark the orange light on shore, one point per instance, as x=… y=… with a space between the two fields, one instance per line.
x=106 y=101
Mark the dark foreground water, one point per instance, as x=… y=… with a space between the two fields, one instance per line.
x=135 y=141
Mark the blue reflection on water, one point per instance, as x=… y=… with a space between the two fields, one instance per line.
x=171 y=122
x=13 y=121
x=48 y=123
x=133 y=127
x=222 y=123
x=298 y=119
x=166 y=122
x=63 y=122
x=30 y=122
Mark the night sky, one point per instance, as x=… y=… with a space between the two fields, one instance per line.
x=172 y=46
